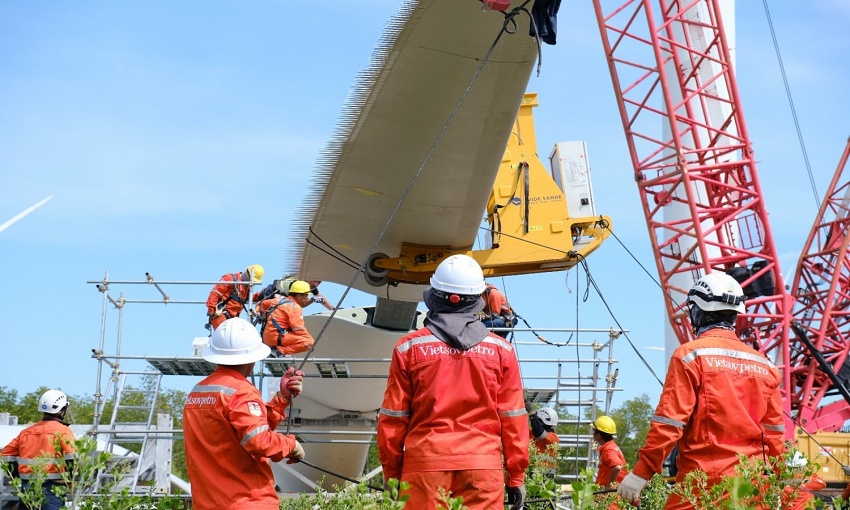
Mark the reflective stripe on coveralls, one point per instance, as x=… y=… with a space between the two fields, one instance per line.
x=453 y=412
x=36 y=446
x=720 y=398
x=229 y=438
x=288 y=333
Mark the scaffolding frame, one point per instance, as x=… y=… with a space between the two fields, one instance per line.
x=590 y=384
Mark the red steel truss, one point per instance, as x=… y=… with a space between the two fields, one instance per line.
x=822 y=292
x=671 y=67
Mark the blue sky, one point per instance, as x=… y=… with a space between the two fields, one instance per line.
x=178 y=138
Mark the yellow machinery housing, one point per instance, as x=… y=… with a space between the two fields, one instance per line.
x=831 y=451
x=530 y=230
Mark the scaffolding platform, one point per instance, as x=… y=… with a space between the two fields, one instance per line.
x=181 y=366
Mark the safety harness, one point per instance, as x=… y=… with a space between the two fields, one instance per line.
x=263 y=319
x=488 y=312
x=233 y=295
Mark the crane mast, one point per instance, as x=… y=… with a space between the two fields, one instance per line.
x=671 y=66
x=822 y=291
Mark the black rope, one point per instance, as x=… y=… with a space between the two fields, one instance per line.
x=525 y=194
x=539 y=336
x=645 y=270
x=330 y=254
x=533 y=243
x=823 y=449
x=591 y=281
x=497 y=218
x=791 y=105
x=358 y=482
x=578 y=376
x=339 y=255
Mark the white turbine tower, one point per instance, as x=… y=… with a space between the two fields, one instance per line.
x=23 y=213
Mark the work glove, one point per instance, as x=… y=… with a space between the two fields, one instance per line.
x=319 y=300
x=219 y=309
x=529 y=408
x=296 y=454
x=291 y=383
x=516 y=496
x=630 y=487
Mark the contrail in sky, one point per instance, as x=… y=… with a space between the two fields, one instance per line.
x=23 y=213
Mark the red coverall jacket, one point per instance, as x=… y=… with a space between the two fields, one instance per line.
x=720 y=398
x=39 y=441
x=495 y=303
x=799 y=498
x=610 y=456
x=450 y=410
x=284 y=327
x=229 y=437
x=548 y=446
x=237 y=294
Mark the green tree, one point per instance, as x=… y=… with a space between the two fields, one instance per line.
x=81 y=412
x=632 y=420
x=24 y=407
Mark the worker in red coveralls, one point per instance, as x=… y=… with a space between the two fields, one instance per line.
x=720 y=398
x=227 y=300
x=543 y=422
x=497 y=312
x=48 y=443
x=282 y=320
x=612 y=462
x=229 y=432
x=800 y=493
x=453 y=415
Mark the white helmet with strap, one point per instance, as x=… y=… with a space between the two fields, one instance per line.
x=548 y=416
x=716 y=292
x=52 y=402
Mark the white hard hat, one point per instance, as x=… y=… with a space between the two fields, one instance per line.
x=52 y=402
x=235 y=342
x=459 y=274
x=548 y=416
x=716 y=292
x=797 y=461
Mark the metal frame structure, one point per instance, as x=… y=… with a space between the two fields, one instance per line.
x=670 y=66
x=577 y=385
x=822 y=291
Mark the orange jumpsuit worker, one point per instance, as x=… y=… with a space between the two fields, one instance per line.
x=497 y=313
x=453 y=408
x=797 y=496
x=39 y=441
x=229 y=431
x=720 y=399
x=227 y=300
x=546 y=441
x=283 y=327
x=612 y=462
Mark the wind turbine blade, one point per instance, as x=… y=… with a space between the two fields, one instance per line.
x=23 y=213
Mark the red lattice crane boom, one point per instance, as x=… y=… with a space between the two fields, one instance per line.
x=671 y=68
x=822 y=292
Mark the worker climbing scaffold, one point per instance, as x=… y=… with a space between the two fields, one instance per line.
x=227 y=300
